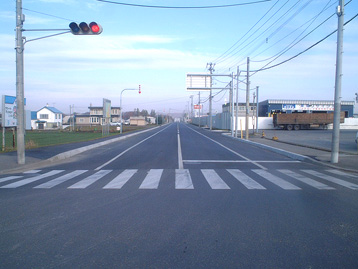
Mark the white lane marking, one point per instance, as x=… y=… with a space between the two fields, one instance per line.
x=32 y=179
x=180 y=156
x=119 y=181
x=276 y=180
x=183 y=179
x=308 y=181
x=119 y=155
x=9 y=178
x=340 y=173
x=214 y=180
x=59 y=180
x=32 y=172
x=247 y=181
x=234 y=161
x=152 y=179
x=234 y=152
x=338 y=181
x=90 y=180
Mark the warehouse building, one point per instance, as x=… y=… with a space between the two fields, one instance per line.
x=269 y=107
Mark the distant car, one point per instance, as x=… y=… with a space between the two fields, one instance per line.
x=357 y=137
x=115 y=123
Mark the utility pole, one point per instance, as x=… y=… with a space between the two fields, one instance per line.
x=237 y=101
x=247 y=100
x=211 y=69
x=20 y=103
x=257 y=109
x=338 y=84
x=232 y=104
x=199 y=110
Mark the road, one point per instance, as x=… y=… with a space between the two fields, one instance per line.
x=179 y=197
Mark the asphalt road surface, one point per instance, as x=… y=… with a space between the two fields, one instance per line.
x=179 y=197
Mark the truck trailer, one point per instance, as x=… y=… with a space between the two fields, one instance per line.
x=297 y=121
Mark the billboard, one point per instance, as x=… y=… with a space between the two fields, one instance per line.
x=106 y=108
x=9 y=111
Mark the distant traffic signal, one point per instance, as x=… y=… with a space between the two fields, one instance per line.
x=85 y=29
x=140 y=89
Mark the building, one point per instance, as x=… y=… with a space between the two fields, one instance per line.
x=46 y=118
x=242 y=109
x=269 y=107
x=96 y=115
x=138 y=121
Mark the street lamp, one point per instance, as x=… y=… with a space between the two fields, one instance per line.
x=120 y=105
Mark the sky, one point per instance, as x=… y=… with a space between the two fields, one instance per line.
x=157 y=47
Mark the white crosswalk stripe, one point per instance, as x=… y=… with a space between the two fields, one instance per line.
x=332 y=179
x=247 y=181
x=276 y=180
x=31 y=179
x=61 y=179
x=183 y=179
x=306 y=180
x=119 y=181
x=90 y=180
x=152 y=179
x=214 y=180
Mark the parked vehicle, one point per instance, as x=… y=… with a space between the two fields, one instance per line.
x=297 y=121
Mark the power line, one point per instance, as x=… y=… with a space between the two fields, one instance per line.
x=184 y=7
x=315 y=44
x=46 y=14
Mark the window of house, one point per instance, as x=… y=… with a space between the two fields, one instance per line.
x=44 y=116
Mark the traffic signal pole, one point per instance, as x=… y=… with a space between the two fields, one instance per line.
x=20 y=102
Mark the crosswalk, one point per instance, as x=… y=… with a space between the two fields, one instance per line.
x=185 y=179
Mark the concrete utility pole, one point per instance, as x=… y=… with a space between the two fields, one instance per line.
x=232 y=104
x=247 y=100
x=20 y=103
x=211 y=69
x=338 y=84
x=257 y=109
x=237 y=101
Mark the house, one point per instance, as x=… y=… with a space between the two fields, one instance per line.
x=138 y=121
x=83 y=119
x=46 y=118
x=96 y=115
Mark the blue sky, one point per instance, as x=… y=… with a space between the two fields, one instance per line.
x=156 y=47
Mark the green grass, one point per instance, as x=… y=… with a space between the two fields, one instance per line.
x=35 y=139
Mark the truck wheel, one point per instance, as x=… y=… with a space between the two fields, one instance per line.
x=289 y=127
x=296 y=127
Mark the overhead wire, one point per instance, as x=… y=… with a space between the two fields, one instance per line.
x=184 y=7
x=310 y=21
x=235 y=61
x=298 y=54
x=227 y=51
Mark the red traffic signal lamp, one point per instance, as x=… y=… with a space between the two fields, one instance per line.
x=85 y=29
x=140 y=90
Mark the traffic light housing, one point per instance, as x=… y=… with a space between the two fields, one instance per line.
x=85 y=29
x=140 y=90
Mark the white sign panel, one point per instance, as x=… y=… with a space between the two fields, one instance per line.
x=308 y=107
x=198 y=82
x=9 y=111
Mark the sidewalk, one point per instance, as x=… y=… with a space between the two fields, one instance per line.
x=310 y=144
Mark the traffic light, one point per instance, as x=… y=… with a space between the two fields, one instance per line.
x=140 y=90
x=85 y=29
